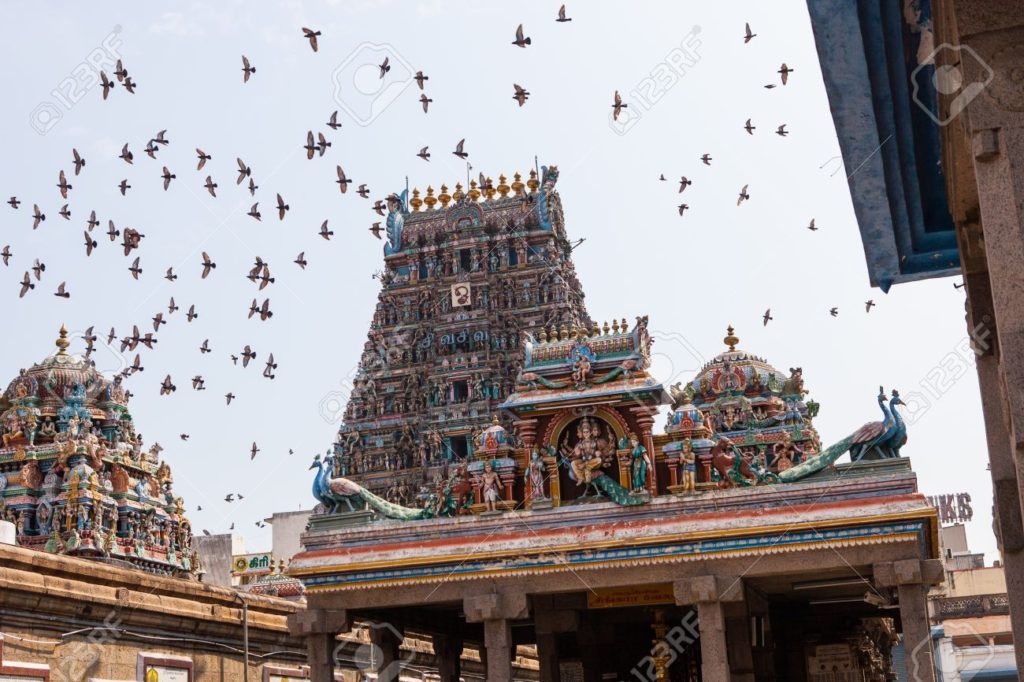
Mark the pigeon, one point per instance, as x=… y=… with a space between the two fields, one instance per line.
x=167 y=387
x=520 y=41
x=323 y=143
x=26 y=284
x=183 y=436
x=561 y=15
x=868 y=305
x=252 y=187
x=170 y=276
x=207 y=265
x=333 y=122
x=811 y=226
x=167 y=176
x=749 y=128
x=265 y=277
x=63 y=186
x=6 y=254
x=160 y=138
x=376 y=229
x=300 y=260
x=61 y=292
x=282 y=207
x=129 y=85
x=203 y=158
x=684 y=182
x=211 y=186
x=205 y=347
x=521 y=95
x=106 y=83
x=243 y=171
x=135 y=269
x=64 y=212
x=683 y=207
x=767 y=316
x=384 y=67
x=424 y=154
x=425 y=101
x=13 y=201
x=311 y=35
x=458 y=149
x=618 y=106
x=191 y=314
x=77 y=160
x=198 y=383
x=781 y=130
x=747 y=36
x=111 y=336
x=229 y=397
x=254 y=212
x=342 y=181
x=379 y=207
x=706 y=159
x=419 y=78
x=125 y=154
x=172 y=307
x=247 y=69
x=247 y=354
x=151 y=149
x=784 y=71
x=268 y=370
x=124 y=186
x=252 y=452
x=37 y=216
x=834 y=312
x=325 y=233
x=229 y=498
x=363 y=191
x=131 y=239
x=310 y=146
x=263 y=310
x=158 y=320
x=90 y=244
x=38 y=268
x=120 y=72
x=92 y=222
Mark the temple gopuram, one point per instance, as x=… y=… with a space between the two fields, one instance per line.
x=499 y=486
x=74 y=477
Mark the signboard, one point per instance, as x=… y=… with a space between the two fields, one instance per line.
x=21 y=678
x=461 y=294
x=643 y=595
x=162 y=673
x=570 y=671
x=832 y=663
x=252 y=564
x=953 y=508
x=164 y=668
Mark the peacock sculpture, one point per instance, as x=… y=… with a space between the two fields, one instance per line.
x=870 y=441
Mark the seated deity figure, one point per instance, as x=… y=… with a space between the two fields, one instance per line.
x=587 y=455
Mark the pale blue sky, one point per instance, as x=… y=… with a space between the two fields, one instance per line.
x=693 y=275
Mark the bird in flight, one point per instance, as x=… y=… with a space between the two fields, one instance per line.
x=207 y=265
x=342 y=181
x=682 y=208
x=311 y=35
x=617 y=106
x=458 y=149
x=784 y=71
x=167 y=387
x=325 y=233
x=247 y=354
x=6 y=254
x=92 y=222
x=812 y=227
x=211 y=186
x=268 y=370
x=521 y=94
x=520 y=41
x=167 y=176
x=77 y=160
x=90 y=243
x=706 y=159
x=425 y=101
x=376 y=229
x=868 y=305
x=229 y=397
x=781 y=130
x=61 y=292
x=384 y=67
x=684 y=182
x=834 y=312
x=747 y=36
x=749 y=128
x=63 y=186
x=333 y=122
x=37 y=216
x=26 y=285
x=203 y=158
x=254 y=212
x=743 y=196
x=561 y=15
x=107 y=84
x=247 y=69
x=767 y=317
x=135 y=269
x=191 y=314
x=282 y=207
x=300 y=260
x=243 y=171
x=419 y=78
x=126 y=155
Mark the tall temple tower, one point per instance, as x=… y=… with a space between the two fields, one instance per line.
x=466 y=275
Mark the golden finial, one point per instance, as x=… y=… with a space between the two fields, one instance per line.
x=731 y=340
x=543 y=335
x=416 y=202
x=563 y=333
x=458 y=193
x=503 y=188
x=625 y=326
x=517 y=184
x=596 y=331
x=606 y=328
x=444 y=197
x=62 y=342
x=490 y=191
x=430 y=200
x=474 y=193
x=615 y=326
x=533 y=183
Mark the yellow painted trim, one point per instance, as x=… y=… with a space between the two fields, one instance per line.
x=640 y=542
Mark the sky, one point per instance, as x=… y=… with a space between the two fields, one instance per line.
x=690 y=82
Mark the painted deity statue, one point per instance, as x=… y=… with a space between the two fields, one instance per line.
x=639 y=464
x=535 y=476
x=490 y=487
x=688 y=463
x=586 y=456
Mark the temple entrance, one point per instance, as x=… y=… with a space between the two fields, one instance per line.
x=590 y=442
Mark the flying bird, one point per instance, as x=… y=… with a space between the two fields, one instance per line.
x=747 y=36
x=376 y=229
x=325 y=233
x=561 y=15
x=743 y=196
x=229 y=397
x=243 y=171
x=172 y=307
x=268 y=370
x=107 y=84
x=170 y=276
x=781 y=130
x=784 y=71
x=749 y=128
x=63 y=186
x=458 y=149
x=6 y=253
x=311 y=35
x=158 y=320
x=135 y=269
x=247 y=69
x=424 y=154
x=207 y=265
x=38 y=268
x=64 y=212
x=342 y=181
x=683 y=207
x=310 y=145
x=384 y=67
x=684 y=182
x=323 y=145
x=191 y=314
x=26 y=284
x=425 y=101
x=333 y=122
x=92 y=222
x=521 y=95
x=520 y=41
x=211 y=186
x=379 y=208
x=13 y=201
x=300 y=260
x=868 y=305
x=767 y=316
x=167 y=387
x=90 y=244
x=247 y=354
x=167 y=176
x=160 y=138
x=61 y=292
x=205 y=346
x=125 y=154
x=198 y=383
x=77 y=160
x=706 y=159
x=419 y=78
x=363 y=191
x=617 y=106
x=834 y=312
x=124 y=186
x=811 y=226
x=282 y=207
x=203 y=158
x=254 y=212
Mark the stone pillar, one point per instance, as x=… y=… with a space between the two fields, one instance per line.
x=912 y=578
x=711 y=594
x=448 y=651
x=320 y=627
x=548 y=623
x=993 y=32
x=547 y=655
x=497 y=610
x=387 y=642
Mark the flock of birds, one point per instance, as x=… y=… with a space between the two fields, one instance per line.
x=316 y=145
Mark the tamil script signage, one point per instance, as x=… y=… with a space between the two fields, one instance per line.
x=641 y=595
x=252 y=564
x=953 y=507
